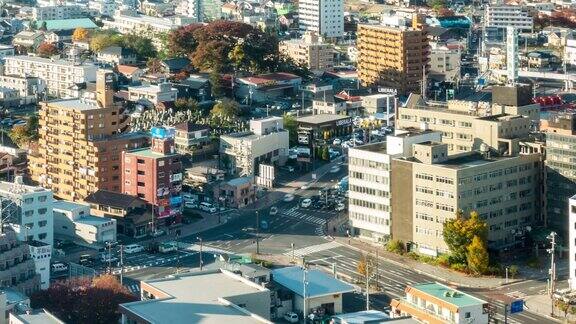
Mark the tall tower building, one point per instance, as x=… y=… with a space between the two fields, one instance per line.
x=325 y=17
x=81 y=141
x=393 y=56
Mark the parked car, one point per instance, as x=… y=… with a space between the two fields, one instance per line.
x=340 y=207
x=157 y=233
x=86 y=260
x=335 y=169
x=59 y=267
x=273 y=210
x=208 y=207
x=133 y=248
x=288 y=197
x=291 y=317
x=337 y=141
x=306 y=203
x=190 y=204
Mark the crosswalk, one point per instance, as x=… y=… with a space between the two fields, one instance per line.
x=313 y=249
x=144 y=261
x=516 y=294
x=294 y=212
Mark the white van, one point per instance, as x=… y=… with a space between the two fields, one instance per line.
x=133 y=248
x=207 y=207
x=57 y=267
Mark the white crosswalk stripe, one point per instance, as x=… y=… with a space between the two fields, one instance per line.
x=295 y=213
x=313 y=249
x=516 y=294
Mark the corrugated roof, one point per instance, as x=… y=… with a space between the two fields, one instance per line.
x=319 y=283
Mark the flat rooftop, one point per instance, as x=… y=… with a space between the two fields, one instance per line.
x=411 y=131
x=75 y=104
x=13 y=188
x=321 y=118
x=147 y=152
x=447 y=294
x=67 y=205
x=379 y=147
x=38 y=317
x=93 y=220
x=319 y=283
x=196 y=298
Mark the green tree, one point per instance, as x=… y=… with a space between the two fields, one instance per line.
x=291 y=125
x=190 y=105
x=562 y=306
x=395 y=246
x=33 y=25
x=477 y=257
x=224 y=113
x=237 y=57
x=32 y=127
x=154 y=65
x=513 y=271
x=459 y=232
x=104 y=39
x=141 y=45
x=216 y=84
x=19 y=135
x=325 y=153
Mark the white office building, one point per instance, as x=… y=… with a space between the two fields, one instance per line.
x=41 y=253
x=369 y=201
x=61 y=11
x=153 y=93
x=103 y=7
x=325 y=17
x=570 y=52
x=61 y=77
x=73 y=221
x=502 y=16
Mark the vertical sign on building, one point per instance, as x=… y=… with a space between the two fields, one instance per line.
x=511 y=54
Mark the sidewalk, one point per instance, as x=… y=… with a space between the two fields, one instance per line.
x=541 y=305
x=441 y=274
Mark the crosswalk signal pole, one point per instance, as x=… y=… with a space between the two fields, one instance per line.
x=506 y=314
x=121 y=264
x=200 y=240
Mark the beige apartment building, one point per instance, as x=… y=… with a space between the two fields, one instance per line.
x=81 y=142
x=504 y=190
x=309 y=51
x=393 y=57
x=466 y=124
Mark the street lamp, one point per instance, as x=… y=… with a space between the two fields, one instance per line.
x=552 y=271
x=257 y=233
x=200 y=240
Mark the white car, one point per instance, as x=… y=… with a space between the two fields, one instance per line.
x=306 y=203
x=305 y=187
x=291 y=317
x=337 y=141
x=340 y=207
x=273 y=210
x=133 y=248
x=288 y=197
x=190 y=204
x=335 y=169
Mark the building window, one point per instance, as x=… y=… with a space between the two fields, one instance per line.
x=42 y=211
x=42 y=198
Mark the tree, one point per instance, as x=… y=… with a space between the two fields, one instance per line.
x=216 y=84
x=325 y=153
x=477 y=257
x=562 y=306
x=291 y=125
x=190 y=105
x=366 y=265
x=104 y=39
x=395 y=246
x=84 y=300
x=459 y=232
x=181 y=42
x=19 y=135
x=224 y=113
x=513 y=271
x=33 y=25
x=46 y=49
x=142 y=46
x=154 y=66
x=80 y=34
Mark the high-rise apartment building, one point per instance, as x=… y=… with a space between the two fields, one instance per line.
x=81 y=141
x=17 y=269
x=393 y=56
x=370 y=186
x=309 y=51
x=325 y=17
x=504 y=190
x=560 y=169
x=154 y=174
x=502 y=16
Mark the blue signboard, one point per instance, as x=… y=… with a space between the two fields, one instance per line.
x=175 y=200
x=162 y=132
x=517 y=306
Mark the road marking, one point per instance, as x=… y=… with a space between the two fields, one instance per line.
x=312 y=249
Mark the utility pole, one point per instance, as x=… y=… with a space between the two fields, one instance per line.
x=178 y=253
x=109 y=257
x=305 y=283
x=552 y=238
x=257 y=233
x=200 y=240
x=505 y=313
x=292 y=245
x=121 y=264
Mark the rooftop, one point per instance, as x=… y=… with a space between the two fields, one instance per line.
x=447 y=294
x=147 y=152
x=67 y=205
x=93 y=220
x=197 y=298
x=68 y=23
x=11 y=187
x=379 y=147
x=240 y=181
x=372 y=317
x=41 y=316
x=319 y=283
x=38 y=59
x=321 y=118
x=191 y=127
x=271 y=77
x=110 y=198
x=75 y=104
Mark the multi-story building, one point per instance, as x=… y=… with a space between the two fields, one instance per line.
x=266 y=142
x=445 y=61
x=28 y=39
x=6 y=50
x=572 y=241
x=570 y=52
x=393 y=56
x=30 y=89
x=155 y=175
x=435 y=303
x=466 y=124
x=65 y=11
x=81 y=141
x=325 y=17
x=309 y=51
x=73 y=220
x=153 y=93
x=560 y=169
x=61 y=77
x=32 y=211
x=103 y=7
x=369 y=166
x=502 y=16
x=194 y=139
x=41 y=253
x=17 y=268
x=192 y=9
x=505 y=191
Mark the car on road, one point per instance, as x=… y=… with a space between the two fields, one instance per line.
x=337 y=141
x=86 y=260
x=335 y=169
x=190 y=204
x=106 y=258
x=306 y=203
x=340 y=207
x=291 y=317
x=208 y=207
x=157 y=233
x=167 y=247
x=288 y=198
x=273 y=211
x=305 y=187
x=133 y=248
